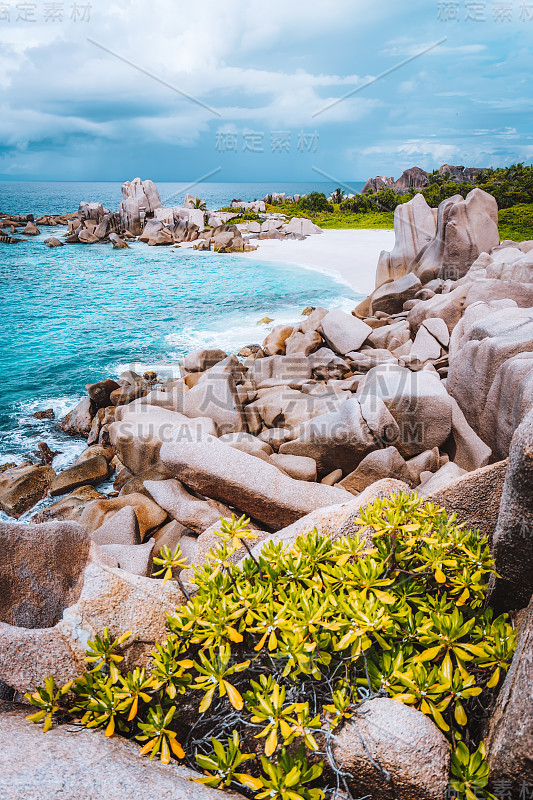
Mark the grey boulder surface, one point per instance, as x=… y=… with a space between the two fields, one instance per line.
x=84 y=766
x=250 y=484
x=392 y=752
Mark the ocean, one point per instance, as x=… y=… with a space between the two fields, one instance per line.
x=81 y=313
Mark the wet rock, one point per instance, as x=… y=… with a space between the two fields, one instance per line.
x=53 y=242
x=78 y=421
x=22 y=487
x=118 y=243
x=393 y=752
x=31 y=230
x=48 y=413
x=100 y=393
x=45 y=454
x=85 y=236
x=87 y=473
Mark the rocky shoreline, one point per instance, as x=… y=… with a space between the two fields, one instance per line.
x=426 y=386
x=141 y=216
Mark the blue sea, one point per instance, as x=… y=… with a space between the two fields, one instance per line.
x=79 y=313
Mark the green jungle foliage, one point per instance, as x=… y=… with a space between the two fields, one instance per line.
x=511 y=186
x=269 y=657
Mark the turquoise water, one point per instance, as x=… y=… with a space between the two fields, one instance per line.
x=77 y=314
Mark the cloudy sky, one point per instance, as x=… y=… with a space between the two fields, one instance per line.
x=291 y=90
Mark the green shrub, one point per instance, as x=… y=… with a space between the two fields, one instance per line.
x=281 y=648
x=315 y=201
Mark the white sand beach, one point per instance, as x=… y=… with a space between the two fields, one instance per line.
x=350 y=254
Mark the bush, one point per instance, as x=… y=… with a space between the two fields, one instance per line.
x=316 y=201
x=281 y=648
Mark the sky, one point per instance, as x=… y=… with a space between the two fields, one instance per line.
x=250 y=91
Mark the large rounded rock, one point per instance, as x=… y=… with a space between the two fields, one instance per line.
x=341 y=439
x=109 y=598
x=183 y=507
x=491 y=374
x=250 y=484
x=22 y=487
x=336 y=520
x=79 y=420
x=513 y=538
x=393 y=752
x=510 y=736
x=40 y=571
x=140 y=429
x=474 y=497
x=86 y=473
x=384 y=463
x=391 y=296
x=149 y=514
x=418 y=402
x=414 y=227
x=344 y=332
x=465 y=229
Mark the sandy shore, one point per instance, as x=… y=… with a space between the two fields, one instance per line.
x=349 y=254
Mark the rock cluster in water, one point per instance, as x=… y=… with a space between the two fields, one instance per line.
x=141 y=215
x=427 y=385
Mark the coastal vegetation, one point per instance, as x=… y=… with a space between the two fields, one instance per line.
x=511 y=186
x=284 y=648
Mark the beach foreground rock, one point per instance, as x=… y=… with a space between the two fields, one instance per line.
x=393 y=752
x=33 y=766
